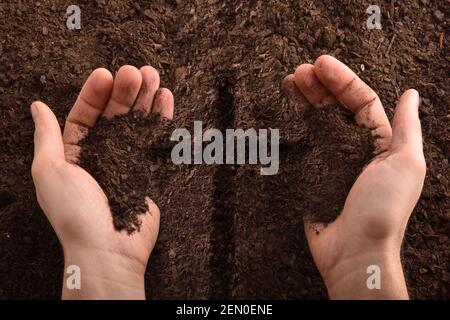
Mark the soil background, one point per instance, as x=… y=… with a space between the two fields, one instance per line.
x=241 y=234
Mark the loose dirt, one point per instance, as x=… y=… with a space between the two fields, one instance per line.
x=226 y=231
x=122 y=155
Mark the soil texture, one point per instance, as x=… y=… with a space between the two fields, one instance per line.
x=226 y=231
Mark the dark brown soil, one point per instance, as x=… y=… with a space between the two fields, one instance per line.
x=122 y=155
x=226 y=231
x=334 y=153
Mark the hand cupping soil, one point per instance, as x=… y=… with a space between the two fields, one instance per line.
x=123 y=155
x=336 y=151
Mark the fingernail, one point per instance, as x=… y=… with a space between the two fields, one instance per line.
x=416 y=93
x=34 y=111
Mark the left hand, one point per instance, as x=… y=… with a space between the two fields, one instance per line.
x=370 y=229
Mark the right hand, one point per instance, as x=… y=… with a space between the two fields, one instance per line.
x=113 y=262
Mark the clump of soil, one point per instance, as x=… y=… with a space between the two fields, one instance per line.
x=338 y=150
x=118 y=154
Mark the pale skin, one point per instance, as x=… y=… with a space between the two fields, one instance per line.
x=369 y=231
x=371 y=226
x=112 y=263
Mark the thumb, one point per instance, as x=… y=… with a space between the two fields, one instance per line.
x=48 y=143
x=406 y=126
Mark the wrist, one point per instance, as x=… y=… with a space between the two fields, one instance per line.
x=103 y=275
x=373 y=274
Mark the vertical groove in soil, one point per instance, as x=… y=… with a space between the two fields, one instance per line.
x=5 y=199
x=222 y=237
